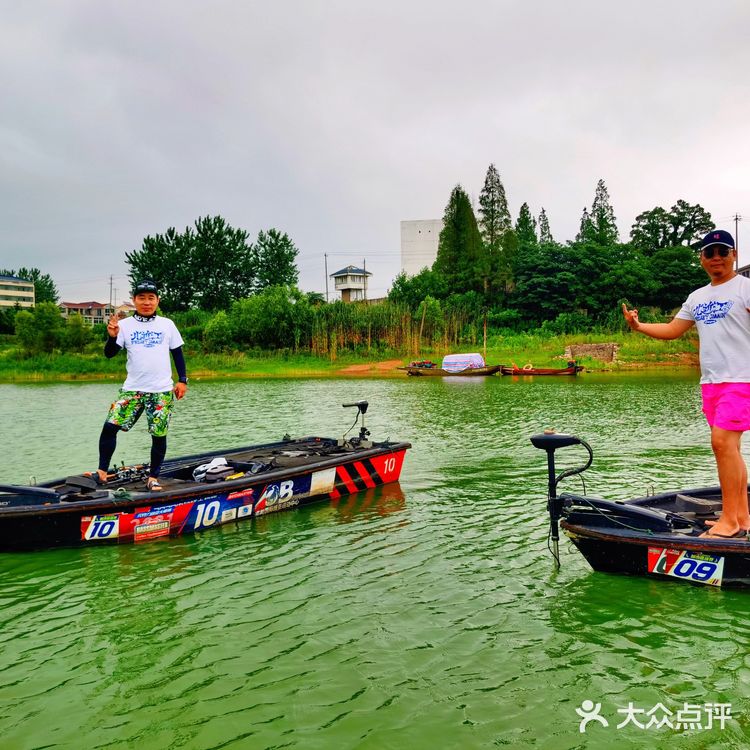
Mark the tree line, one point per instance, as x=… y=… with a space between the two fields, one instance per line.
x=524 y=278
x=229 y=293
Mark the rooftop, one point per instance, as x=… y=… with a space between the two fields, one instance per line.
x=352 y=271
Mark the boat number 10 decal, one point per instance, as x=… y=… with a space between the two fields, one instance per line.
x=207 y=514
x=103 y=527
x=699 y=567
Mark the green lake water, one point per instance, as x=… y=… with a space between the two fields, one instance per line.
x=421 y=615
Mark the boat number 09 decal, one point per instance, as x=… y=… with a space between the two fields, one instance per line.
x=389 y=465
x=207 y=514
x=698 y=571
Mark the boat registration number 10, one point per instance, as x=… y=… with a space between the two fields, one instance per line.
x=699 y=567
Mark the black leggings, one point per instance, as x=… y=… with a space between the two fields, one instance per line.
x=108 y=443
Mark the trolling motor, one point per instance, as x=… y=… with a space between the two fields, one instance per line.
x=550 y=441
x=364 y=433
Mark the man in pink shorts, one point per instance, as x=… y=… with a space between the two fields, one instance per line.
x=721 y=313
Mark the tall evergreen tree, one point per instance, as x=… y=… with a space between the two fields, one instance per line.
x=586 y=228
x=545 y=236
x=494 y=224
x=526 y=227
x=603 y=219
x=460 y=245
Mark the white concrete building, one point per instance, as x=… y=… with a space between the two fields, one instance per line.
x=15 y=291
x=352 y=283
x=419 y=244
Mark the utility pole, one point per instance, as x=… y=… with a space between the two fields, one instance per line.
x=325 y=255
x=110 y=294
x=364 y=268
x=737 y=219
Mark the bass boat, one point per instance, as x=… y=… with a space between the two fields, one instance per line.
x=199 y=491
x=656 y=535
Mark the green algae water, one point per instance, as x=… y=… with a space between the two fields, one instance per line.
x=421 y=615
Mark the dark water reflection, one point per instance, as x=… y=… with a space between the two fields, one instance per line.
x=421 y=615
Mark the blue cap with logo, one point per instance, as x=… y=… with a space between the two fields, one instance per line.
x=717 y=237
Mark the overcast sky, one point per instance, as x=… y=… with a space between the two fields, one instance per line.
x=335 y=120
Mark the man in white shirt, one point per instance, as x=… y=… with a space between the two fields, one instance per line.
x=721 y=312
x=148 y=340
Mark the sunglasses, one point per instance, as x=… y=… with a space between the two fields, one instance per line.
x=722 y=250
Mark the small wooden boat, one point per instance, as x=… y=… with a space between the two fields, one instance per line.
x=454 y=365
x=199 y=491
x=657 y=535
x=571 y=369
x=440 y=372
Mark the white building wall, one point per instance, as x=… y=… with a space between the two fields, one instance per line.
x=419 y=244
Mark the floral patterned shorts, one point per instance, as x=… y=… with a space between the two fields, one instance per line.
x=130 y=405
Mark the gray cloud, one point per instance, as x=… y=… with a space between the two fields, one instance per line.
x=333 y=121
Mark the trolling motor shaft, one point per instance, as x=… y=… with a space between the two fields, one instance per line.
x=550 y=441
x=364 y=433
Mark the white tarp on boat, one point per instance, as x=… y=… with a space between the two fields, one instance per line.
x=458 y=362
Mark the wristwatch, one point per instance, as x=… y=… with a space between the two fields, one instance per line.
x=184 y=380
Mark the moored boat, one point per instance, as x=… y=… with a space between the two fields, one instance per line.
x=453 y=365
x=656 y=535
x=571 y=369
x=199 y=491
x=440 y=372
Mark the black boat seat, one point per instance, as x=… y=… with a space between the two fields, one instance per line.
x=699 y=505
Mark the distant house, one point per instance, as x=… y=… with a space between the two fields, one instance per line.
x=95 y=312
x=352 y=283
x=91 y=312
x=15 y=291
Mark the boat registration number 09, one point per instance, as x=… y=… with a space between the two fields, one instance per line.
x=699 y=567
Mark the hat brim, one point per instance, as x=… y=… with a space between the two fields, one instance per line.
x=715 y=244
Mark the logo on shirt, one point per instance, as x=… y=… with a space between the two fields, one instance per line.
x=710 y=312
x=148 y=339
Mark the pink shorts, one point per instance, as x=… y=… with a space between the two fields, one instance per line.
x=727 y=405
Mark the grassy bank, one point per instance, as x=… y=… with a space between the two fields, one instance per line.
x=540 y=350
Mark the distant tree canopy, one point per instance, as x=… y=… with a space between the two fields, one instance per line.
x=683 y=224
x=523 y=276
x=212 y=264
x=44 y=287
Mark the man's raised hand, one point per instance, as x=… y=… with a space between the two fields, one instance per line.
x=113 y=327
x=631 y=317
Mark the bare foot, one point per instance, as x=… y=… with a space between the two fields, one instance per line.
x=721 y=532
x=710 y=524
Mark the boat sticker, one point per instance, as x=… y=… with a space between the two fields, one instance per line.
x=141 y=525
x=100 y=527
x=322 y=481
x=282 y=495
x=699 y=567
x=230 y=514
x=367 y=473
x=241 y=495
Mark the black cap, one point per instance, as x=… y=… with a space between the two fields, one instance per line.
x=145 y=286
x=717 y=237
